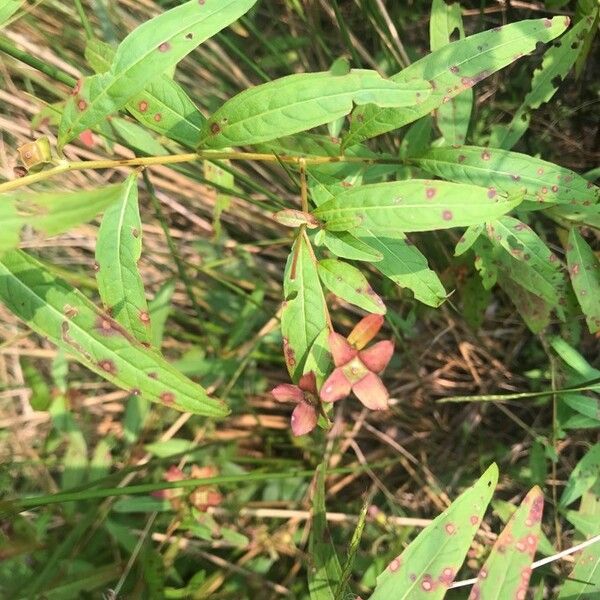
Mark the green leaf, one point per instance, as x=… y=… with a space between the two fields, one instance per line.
x=452 y=117
x=7 y=9
x=574 y=359
x=118 y=250
x=406 y=266
x=345 y=245
x=584 y=581
x=51 y=212
x=325 y=573
x=304 y=311
x=585 y=405
x=149 y=50
x=416 y=205
x=41 y=395
x=429 y=565
x=349 y=284
x=535 y=311
x=468 y=238
x=507 y=570
x=319 y=358
x=455 y=68
x=160 y=307
x=54 y=309
x=584 y=271
x=302 y=101
x=556 y=64
x=506 y=172
x=583 y=476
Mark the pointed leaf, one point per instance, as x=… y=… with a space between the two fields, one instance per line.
x=583 y=476
x=584 y=270
x=304 y=312
x=349 y=284
x=149 y=50
x=118 y=250
x=503 y=171
x=345 y=245
x=54 y=309
x=429 y=565
x=507 y=570
x=302 y=101
x=455 y=68
x=416 y=205
x=468 y=238
x=51 y=212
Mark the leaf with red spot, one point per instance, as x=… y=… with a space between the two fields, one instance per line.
x=390 y=209
x=151 y=49
x=349 y=284
x=118 y=250
x=426 y=569
x=507 y=570
x=54 y=309
x=584 y=270
x=502 y=171
x=303 y=101
x=476 y=57
x=303 y=316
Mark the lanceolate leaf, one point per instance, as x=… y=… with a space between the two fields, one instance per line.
x=406 y=266
x=54 y=309
x=453 y=116
x=304 y=312
x=468 y=238
x=425 y=570
x=345 y=245
x=349 y=284
x=162 y=106
x=582 y=477
x=51 y=212
x=455 y=68
x=302 y=101
x=118 y=250
x=507 y=570
x=556 y=64
x=149 y=50
x=415 y=205
x=584 y=270
x=506 y=171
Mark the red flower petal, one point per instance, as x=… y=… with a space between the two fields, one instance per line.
x=371 y=392
x=308 y=382
x=304 y=418
x=335 y=387
x=365 y=331
x=287 y=392
x=341 y=350
x=377 y=357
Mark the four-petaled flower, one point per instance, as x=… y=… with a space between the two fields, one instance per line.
x=305 y=395
x=356 y=369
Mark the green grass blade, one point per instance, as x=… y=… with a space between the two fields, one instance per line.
x=118 y=250
x=300 y=102
x=505 y=171
x=584 y=270
x=429 y=565
x=507 y=570
x=151 y=49
x=454 y=68
x=583 y=476
x=349 y=284
x=54 y=309
x=7 y=9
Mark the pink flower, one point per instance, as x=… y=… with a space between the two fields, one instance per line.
x=305 y=395
x=357 y=370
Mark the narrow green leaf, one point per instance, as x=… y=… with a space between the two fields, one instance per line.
x=583 y=476
x=416 y=205
x=585 y=405
x=558 y=60
x=304 y=311
x=149 y=50
x=584 y=270
x=319 y=358
x=7 y=9
x=453 y=116
x=406 y=266
x=574 y=359
x=507 y=570
x=41 y=396
x=468 y=238
x=345 y=245
x=455 y=68
x=584 y=581
x=54 y=309
x=51 y=212
x=118 y=250
x=429 y=565
x=506 y=172
x=160 y=307
x=300 y=102
x=349 y=284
